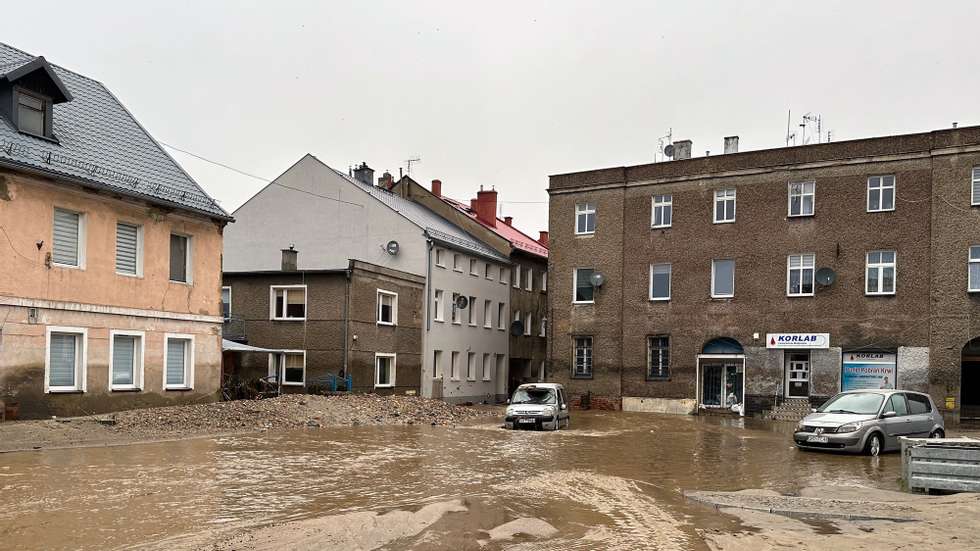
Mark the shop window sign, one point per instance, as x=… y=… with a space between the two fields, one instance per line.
x=869 y=370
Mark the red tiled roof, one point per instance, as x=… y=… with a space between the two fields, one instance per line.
x=517 y=238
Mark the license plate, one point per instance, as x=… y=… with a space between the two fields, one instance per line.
x=527 y=421
x=818 y=439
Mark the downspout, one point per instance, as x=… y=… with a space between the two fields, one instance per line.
x=347 y=276
x=428 y=282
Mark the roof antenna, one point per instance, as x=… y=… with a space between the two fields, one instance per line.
x=415 y=159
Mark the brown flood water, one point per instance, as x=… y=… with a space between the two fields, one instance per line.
x=613 y=481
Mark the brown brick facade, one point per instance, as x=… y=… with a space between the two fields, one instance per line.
x=926 y=323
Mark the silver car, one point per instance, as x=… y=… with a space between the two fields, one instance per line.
x=869 y=421
x=540 y=406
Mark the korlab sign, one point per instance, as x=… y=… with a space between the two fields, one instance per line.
x=797 y=340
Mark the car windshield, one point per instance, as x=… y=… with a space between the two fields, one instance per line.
x=861 y=403
x=534 y=396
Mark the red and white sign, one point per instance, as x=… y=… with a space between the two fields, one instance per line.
x=797 y=340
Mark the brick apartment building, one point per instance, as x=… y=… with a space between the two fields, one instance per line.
x=740 y=281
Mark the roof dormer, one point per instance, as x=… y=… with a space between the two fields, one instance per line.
x=28 y=90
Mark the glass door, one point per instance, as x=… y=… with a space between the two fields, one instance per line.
x=797 y=374
x=711 y=384
x=733 y=384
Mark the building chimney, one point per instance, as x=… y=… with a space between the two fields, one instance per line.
x=486 y=207
x=731 y=144
x=289 y=259
x=543 y=238
x=473 y=205
x=437 y=188
x=364 y=174
x=682 y=150
x=509 y=220
x=386 y=181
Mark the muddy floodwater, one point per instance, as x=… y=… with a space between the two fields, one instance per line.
x=613 y=481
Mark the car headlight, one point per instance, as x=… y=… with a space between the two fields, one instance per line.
x=800 y=426
x=849 y=427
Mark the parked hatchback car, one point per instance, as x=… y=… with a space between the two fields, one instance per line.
x=540 y=406
x=869 y=421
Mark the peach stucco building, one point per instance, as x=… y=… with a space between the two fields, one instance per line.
x=110 y=254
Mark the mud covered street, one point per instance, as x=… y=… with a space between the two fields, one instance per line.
x=614 y=481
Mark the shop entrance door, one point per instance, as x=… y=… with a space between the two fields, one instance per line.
x=797 y=375
x=721 y=384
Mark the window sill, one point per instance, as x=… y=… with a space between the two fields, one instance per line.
x=667 y=299
x=659 y=227
x=791 y=216
x=66 y=266
x=51 y=139
x=387 y=323
x=487 y=380
x=879 y=210
x=722 y=297
x=582 y=377
x=443 y=266
x=187 y=283
x=177 y=388
x=583 y=302
x=438 y=320
x=133 y=276
x=287 y=319
x=125 y=389
x=723 y=222
x=658 y=379
x=457 y=271
x=302 y=383
x=488 y=327
x=810 y=295
x=584 y=235
x=879 y=294
x=384 y=386
x=64 y=391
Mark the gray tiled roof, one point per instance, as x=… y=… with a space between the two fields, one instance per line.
x=100 y=142
x=436 y=226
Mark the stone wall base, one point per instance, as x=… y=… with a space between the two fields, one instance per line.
x=605 y=403
x=675 y=406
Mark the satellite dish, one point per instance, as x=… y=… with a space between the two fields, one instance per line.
x=462 y=302
x=517 y=328
x=392 y=247
x=826 y=276
x=597 y=279
x=669 y=150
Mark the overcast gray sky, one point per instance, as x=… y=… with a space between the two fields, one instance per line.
x=504 y=93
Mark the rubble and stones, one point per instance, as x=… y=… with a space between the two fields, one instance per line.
x=291 y=411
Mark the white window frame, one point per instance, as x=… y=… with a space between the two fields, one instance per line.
x=812 y=194
x=504 y=275
x=457 y=264
x=501 y=317
x=471 y=311
x=274 y=367
x=81 y=360
x=394 y=307
x=670 y=281
x=285 y=302
x=585 y=209
x=457 y=316
x=440 y=261
x=438 y=305
x=488 y=271
x=139 y=248
x=880 y=190
x=229 y=302
x=975 y=188
x=803 y=266
x=471 y=366
x=188 y=259
x=436 y=364
x=665 y=203
x=575 y=285
x=529 y=280
x=971 y=260
x=544 y=327
x=474 y=268
x=879 y=269
x=188 y=365
x=713 y=262
x=488 y=314
x=82 y=227
x=487 y=367
x=454 y=365
x=728 y=194
x=544 y=282
x=528 y=322
x=391 y=375
x=140 y=358
x=517 y=276
x=591 y=357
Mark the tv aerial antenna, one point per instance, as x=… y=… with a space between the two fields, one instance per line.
x=408 y=164
x=665 y=146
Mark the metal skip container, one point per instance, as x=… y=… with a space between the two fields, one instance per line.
x=949 y=464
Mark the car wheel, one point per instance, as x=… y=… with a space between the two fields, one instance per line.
x=873 y=447
x=938 y=433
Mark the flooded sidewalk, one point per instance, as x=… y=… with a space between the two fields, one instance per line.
x=615 y=481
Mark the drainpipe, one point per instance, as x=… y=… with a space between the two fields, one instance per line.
x=347 y=276
x=428 y=283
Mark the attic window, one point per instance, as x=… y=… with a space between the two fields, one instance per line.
x=31 y=114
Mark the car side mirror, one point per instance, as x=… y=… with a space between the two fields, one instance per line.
x=813 y=410
x=888 y=414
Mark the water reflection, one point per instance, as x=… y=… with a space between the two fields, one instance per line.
x=611 y=480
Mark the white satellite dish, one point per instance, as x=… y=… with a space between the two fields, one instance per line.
x=597 y=279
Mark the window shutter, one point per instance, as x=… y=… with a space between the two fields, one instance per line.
x=62 y=365
x=65 y=237
x=176 y=358
x=126 y=244
x=123 y=356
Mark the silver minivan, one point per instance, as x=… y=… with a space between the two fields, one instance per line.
x=540 y=406
x=869 y=421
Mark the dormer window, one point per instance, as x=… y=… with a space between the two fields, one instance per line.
x=31 y=114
